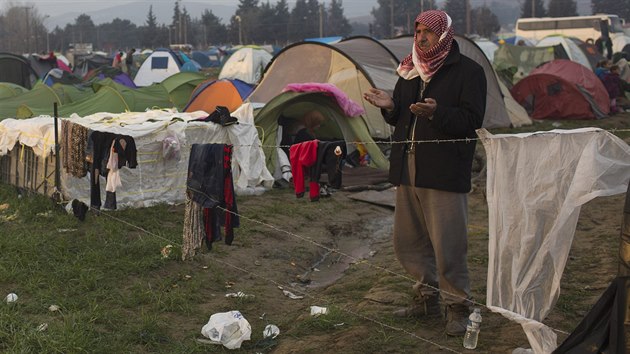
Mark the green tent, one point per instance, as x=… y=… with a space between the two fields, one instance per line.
x=109 y=97
x=514 y=62
x=8 y=89
x=181 y=85
x=41 y=99
x=338 y=126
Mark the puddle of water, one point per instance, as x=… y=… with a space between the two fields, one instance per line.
x=349 y=249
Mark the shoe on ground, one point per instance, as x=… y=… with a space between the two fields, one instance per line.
x=456 y=319
x=424 y=306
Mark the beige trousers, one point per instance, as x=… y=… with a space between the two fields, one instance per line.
x=430 y=239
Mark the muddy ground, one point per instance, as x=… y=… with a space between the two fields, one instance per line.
x=337 y=253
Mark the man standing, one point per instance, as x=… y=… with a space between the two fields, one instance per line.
x=439 y=101
x=129 y=61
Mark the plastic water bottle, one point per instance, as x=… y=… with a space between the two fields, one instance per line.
x=472 y=329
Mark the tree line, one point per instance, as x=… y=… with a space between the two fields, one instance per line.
x=22 y=27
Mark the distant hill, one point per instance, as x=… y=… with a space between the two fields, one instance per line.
x=506 y=10
x=137 y=12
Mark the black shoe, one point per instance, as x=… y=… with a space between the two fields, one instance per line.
x=221 y=115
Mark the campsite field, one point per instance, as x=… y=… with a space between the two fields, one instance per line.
x=117 y=293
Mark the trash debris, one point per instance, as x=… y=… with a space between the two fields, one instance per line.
x=228 y=328
x=12 y=297
x=292 y=295
x=4 y=207
x=271 y=331
x=206 y=341
x=42 y=327
x=316 y=310
x=11 y=217
x=66 y=230
x=239 y=294
x=53 y=308
x=187 y=277
x=339 y=324
x=166 y=251
x=229 y=284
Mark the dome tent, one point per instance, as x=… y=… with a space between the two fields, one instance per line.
x=546 y=90
x=353 y=65
x=338 y=126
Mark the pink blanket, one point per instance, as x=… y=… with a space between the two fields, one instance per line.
x=349 y=107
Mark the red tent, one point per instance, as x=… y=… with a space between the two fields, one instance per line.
x=562 y=89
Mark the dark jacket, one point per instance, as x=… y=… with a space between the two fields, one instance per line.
x=459 y=88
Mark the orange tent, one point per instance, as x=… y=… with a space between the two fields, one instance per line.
x=209 y=94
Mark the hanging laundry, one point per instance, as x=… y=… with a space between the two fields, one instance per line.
x=211 y=186
x=309 y=159
x=74 y=139
x=101 y=147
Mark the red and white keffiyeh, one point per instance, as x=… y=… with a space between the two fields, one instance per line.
x=426 y=64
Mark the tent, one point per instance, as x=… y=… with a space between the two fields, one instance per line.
x=488 y=48
x=514 y=62
x=41 y=98
x=43 y=63
x=562 y=89
x=181 y=86
x=327 y=40
x=8 y=90
x=106 y=71
x=498 y=98
x=191 y=66
x=209 y=58
x=353 y=65
x=590 y=51
x=515 y=40
x=57 y=75
x=246 y=64
x=338 y=126
x=84 y=64
x=208 y=95
x=574 y=52
x=17 y=70
x=108 y=97
x=161 y=64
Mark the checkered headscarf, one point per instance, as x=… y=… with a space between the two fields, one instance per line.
x=426 y=64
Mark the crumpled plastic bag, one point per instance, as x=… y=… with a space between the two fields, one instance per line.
x=228 y=328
